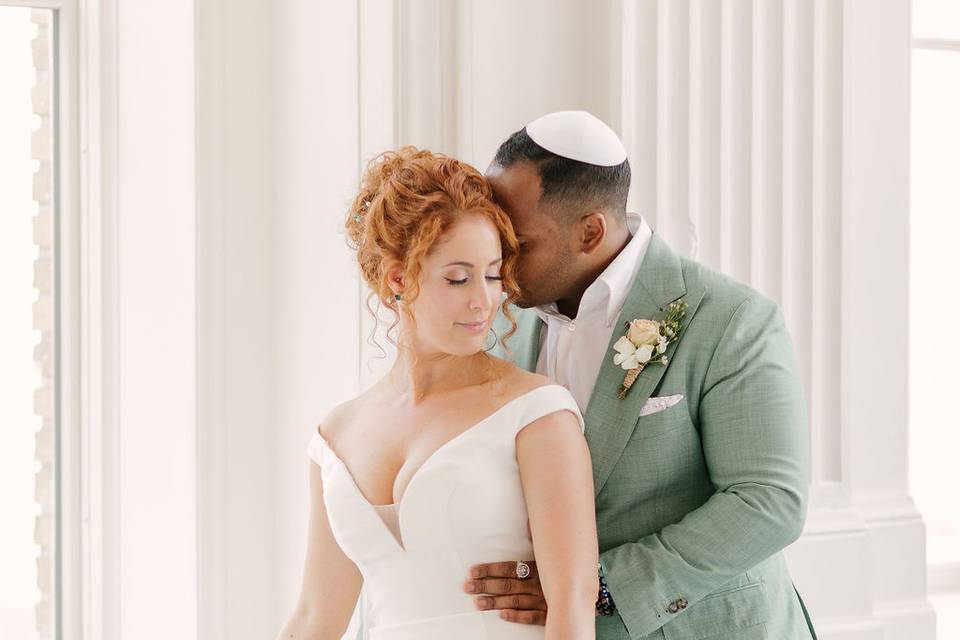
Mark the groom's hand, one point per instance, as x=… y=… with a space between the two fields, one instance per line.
x=496 y=586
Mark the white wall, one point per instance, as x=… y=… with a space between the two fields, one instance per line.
x=154 y=435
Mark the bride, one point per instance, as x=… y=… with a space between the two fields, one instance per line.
x=455 y=456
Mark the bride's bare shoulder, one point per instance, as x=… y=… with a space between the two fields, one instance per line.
x=337 y=419
x=520 y=381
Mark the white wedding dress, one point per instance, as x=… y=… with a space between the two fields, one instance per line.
x=462 y=507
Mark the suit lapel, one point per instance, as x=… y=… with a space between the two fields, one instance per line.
x=610 y=421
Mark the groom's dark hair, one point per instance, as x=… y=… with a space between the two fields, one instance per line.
x=571 y=185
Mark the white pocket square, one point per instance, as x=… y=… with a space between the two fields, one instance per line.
x=655 y=405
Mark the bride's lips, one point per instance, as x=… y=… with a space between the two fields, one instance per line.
x=473 y=327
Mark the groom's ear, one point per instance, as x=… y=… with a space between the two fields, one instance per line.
x=592 y=231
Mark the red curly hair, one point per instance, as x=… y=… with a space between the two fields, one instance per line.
x=408 y=199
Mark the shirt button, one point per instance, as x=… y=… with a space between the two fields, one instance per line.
x=572 y=326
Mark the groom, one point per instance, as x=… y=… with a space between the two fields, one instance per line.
x=700 y=469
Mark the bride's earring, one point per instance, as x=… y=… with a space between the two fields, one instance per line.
x=496 y=339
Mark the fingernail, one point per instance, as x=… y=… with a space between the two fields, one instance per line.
x=483 y=603
x=470 y=587
x=475 y=572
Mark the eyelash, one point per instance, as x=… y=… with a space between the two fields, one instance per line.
x=464 y=281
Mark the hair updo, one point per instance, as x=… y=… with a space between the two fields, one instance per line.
x=408 y=199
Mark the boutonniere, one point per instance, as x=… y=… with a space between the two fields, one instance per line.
x=646 y=342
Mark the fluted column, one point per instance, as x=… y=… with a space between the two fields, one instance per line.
x=754 y=129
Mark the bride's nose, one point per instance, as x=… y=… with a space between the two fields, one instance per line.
x=481 y=296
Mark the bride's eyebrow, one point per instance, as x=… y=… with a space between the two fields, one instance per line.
x=470 y=264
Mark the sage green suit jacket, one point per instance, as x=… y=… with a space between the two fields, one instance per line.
x=695 y=502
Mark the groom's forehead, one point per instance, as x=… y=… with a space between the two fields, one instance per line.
x=517 y=187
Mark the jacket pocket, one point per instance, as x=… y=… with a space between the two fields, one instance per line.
x=661 y=422
x=726 y=613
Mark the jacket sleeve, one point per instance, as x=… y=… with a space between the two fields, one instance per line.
x=753 y=430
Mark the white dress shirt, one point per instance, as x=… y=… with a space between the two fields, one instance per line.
x=572 y=351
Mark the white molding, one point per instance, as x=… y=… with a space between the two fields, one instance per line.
x=942 y=44
x=67 y=123
x=885 y=506
x=943 y=577
x=850 y=628
x=99 y=323
x=69 y=5
x=831 y=513
x=212 y=445
x=826 y=251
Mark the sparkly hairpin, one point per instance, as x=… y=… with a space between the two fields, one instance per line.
x=363 y=207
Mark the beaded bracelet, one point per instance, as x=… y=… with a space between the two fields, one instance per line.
x=605 y=605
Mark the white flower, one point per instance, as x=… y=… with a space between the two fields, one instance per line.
x=662 y=345
x=630 y=357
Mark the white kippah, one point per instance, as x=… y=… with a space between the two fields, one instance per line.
x=578 y=135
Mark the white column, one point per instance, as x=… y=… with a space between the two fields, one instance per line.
x=767 y=152
x=236 y=318
x=875 y=240
x=830 y=563
x=704 y=153
x=537 y=56
x=672 y=97
x=380 y=48
x=735 y=141
x=638 y=106
x=317 y=124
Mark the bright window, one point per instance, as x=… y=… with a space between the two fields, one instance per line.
x=28 y=420
x=934 y=272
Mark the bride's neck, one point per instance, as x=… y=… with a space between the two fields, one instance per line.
x=419 y=376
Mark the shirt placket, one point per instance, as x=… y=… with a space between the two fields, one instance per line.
x=565 y=341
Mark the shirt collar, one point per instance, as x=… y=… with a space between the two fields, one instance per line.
x=610 y=290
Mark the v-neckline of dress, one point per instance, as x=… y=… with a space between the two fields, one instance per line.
x=398 y=504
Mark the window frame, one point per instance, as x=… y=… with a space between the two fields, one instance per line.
x=74 y=554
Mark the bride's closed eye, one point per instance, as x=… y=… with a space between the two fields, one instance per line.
x=464 y=280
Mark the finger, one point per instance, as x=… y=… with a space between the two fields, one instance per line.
x=501 y=570
x=525 y=617
x=516 y=601
x=503 y=586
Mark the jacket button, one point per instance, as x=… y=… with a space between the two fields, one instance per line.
x=673 y=608
x=682 y=603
